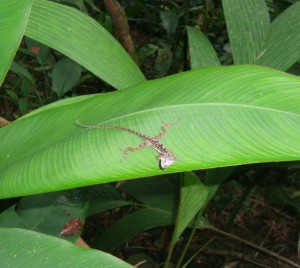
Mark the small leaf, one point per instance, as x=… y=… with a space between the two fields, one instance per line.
x=169 y=22
x=22 y=72
x=39 y=50
x=247 y=23
x=66 y=74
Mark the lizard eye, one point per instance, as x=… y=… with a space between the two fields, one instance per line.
x=166 y=161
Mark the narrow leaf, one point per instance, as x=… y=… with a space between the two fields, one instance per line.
x=282 y=46
x=202 y=53
x=192 y=199
x=247 y=23
x=131 y=225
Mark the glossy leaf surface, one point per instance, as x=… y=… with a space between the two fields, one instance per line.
x=228 y=116
x=24 y=246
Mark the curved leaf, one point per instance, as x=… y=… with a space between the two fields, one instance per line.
x=229 y=116
x=159 y=199
x=193 y=198
x=13 y=20
x=66 y=74
x=24 y=246
x=82 y=39
x=142 y=220
x=282 y=46
x=202 y=53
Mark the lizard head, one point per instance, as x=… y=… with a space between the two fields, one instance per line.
x=166 y=160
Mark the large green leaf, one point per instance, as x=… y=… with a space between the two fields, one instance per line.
x=70 y=32
x=248 y=23
x=21 y=247
x=13 y=20
x=229 y=116
x=84 y=40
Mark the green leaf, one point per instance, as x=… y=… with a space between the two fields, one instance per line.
x=46 y=213
x=282 y=46
x=66 y=74
x=43 y=51
x=23 y=105
x=13 y=96
x=13 y=21
x=159 y=199
x=10 y=218
x=247 y=23
x=105 y=197
x=192 y=199
x=85 y=41
x=228 y=116
x=202 y=52
x=22 y=72
x=157 y=192
x=255 y=40
x=169 y=21
x=214 y=178
x=24 y=247
x=193 y=196
x=132 y=225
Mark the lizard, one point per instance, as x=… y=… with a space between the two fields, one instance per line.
x=165 y=156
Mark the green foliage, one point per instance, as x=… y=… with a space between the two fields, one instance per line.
x=66 y=74
x=229 y=116
x=40 y=250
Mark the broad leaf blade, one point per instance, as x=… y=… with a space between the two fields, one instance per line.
x=229 y=116
x=13 y=20
x=82 y=39
x=24 y=246
x=247 y=24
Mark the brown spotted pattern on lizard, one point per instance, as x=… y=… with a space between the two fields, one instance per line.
x=165 y=156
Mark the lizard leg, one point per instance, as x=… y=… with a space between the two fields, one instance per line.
x=164 y=129
x=133 y=149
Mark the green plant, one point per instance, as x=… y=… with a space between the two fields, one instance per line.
x=229 y=115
